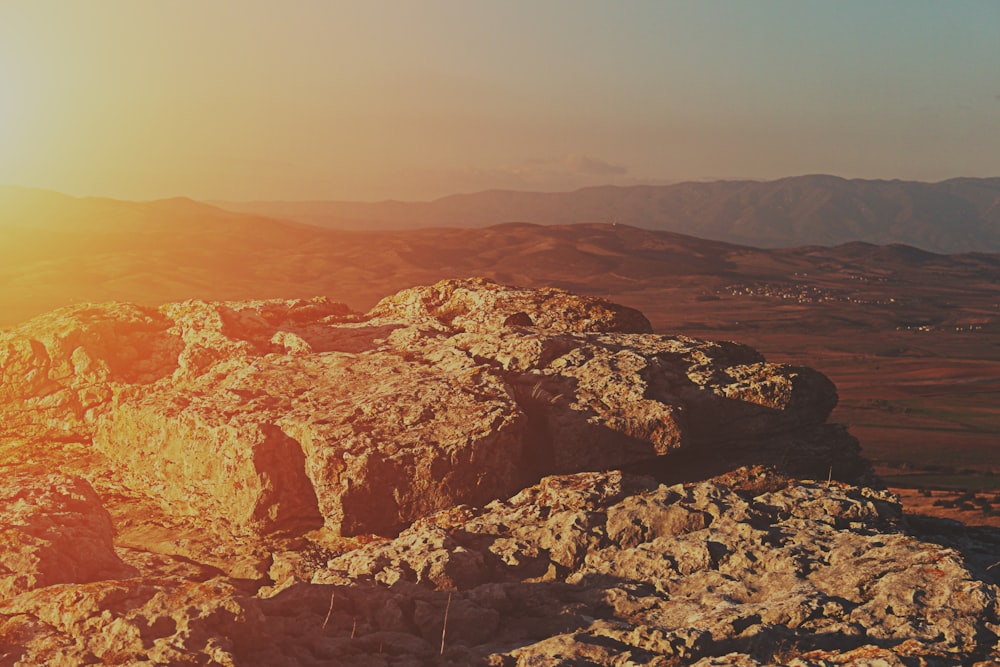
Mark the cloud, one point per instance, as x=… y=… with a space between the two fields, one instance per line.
x=540 y=174
x=574 y=163
x=584 y=164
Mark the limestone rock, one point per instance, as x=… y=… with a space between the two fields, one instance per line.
x=59 y=370
x=469 y=474
x=804 y=573
x=483 y=306
x=606 y=400
x=53 y=530
x=267 y=416
x=807 y=571
x=366 y=443
x=135 y=621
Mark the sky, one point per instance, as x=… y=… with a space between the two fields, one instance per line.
x=416 y=99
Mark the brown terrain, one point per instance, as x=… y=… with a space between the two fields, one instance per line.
x=957 y=215
x=466 y=474
x=469 y=473
x=910 y=338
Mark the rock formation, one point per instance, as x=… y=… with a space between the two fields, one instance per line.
x=288 y=482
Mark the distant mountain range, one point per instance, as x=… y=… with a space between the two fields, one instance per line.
x=958 y=215
x=911 y=338
x=58 y=250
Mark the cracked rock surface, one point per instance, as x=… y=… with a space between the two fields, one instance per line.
x=291 y=483
x=282 y=416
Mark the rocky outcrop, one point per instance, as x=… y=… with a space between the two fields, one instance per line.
x=362 y=442
x=53 y=530
x=138 y=621
x=480 y=305
x=468 y=474
x=285 y=416
x=617 y=568
x=60 y=370
x=607 y=568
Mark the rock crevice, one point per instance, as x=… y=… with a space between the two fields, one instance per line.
x=286 y=482
x=427 y=401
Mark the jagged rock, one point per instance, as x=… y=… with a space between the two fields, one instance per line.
x=698 y=570
x=59 y=370
x=270 y=416
x=608 y=400
x=365 y=442
x=53 y=530
x=230 y=440
x=483 y=306
x=134 y=621
x=805 y=573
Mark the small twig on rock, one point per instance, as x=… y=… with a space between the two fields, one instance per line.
x=354 y=628
x=994 y=565
x=329 y=611
x=444 y=627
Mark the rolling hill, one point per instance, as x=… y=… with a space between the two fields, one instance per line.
x=957 y=215
x=911 y=337
x=60 y=250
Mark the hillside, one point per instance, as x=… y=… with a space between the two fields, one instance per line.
x=910 y=337
x=957 y=215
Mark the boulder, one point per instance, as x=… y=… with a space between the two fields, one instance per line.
x=607 y=400
x=53 y=530
x=481 y=305
x=363 y=443
x=469 y=474
x=270 y=416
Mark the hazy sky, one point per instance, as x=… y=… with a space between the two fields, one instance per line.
x=413 y=99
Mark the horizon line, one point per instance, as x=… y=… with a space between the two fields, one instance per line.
x=707 y=180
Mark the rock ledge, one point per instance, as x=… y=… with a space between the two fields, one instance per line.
x=290 y=483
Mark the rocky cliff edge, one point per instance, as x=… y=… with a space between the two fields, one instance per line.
x=470 y=473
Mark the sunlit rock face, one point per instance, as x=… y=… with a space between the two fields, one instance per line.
x=362 y=442
x=289 y=415
x=60 y=370
x=616 y=569
x=482 y=306
x=53 y=530
x=470 y=474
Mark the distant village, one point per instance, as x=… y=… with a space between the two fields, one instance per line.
x=811 y=294
x=800 y=293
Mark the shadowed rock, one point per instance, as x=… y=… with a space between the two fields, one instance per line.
x=53 y=530
x=287 y=415
x=439 y=482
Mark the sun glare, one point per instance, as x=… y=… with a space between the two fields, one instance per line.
x=10 y=101
x=6 y=104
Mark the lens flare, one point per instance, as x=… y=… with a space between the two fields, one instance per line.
x=12 y=118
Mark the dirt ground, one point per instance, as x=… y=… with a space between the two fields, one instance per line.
x=970 y=508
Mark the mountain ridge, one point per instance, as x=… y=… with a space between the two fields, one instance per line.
x=60 y=249
x=955 y=215
x=919 y=317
